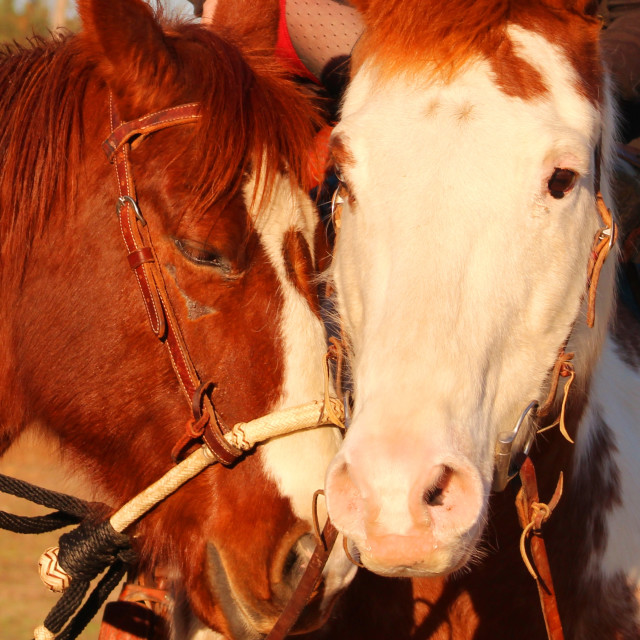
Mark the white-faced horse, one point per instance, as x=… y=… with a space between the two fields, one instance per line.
x=473 y=140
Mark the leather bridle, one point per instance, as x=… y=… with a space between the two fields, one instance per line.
x=144 y=263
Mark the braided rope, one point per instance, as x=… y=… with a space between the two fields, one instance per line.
x=44 y=497
x=244 y=436
x=307 y=416
x=159 y=490
x=95 y=545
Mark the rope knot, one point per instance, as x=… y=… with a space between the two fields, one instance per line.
x=89 y=549
x=540 y=514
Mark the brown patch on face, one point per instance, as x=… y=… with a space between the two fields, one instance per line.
x=577 y=34
x=300 y=269
x=514 y=75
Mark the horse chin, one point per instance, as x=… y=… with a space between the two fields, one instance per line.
x=244 y=621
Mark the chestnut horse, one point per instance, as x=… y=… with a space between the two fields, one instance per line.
x=233 y=235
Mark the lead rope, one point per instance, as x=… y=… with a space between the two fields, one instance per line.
x=86 y=551
x=59 y=574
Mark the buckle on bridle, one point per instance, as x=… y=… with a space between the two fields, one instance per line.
x=505 y=468
x=122 y=200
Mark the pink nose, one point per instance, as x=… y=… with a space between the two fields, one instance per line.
x=421 y=525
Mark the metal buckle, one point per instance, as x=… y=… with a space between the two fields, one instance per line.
x=504 y=470
x=122 y=200
x=607 y=232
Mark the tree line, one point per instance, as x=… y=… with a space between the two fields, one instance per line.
x=19 y=21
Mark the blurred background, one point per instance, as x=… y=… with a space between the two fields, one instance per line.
x=20 y=19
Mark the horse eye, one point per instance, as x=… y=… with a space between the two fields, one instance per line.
x=202 y=254
x=561 y=182
x=343 y=190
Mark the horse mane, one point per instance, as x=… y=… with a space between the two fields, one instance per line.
x=41 y=89
x=407 y=33
x=254 y=118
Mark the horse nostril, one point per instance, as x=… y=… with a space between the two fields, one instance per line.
x=435 y=495
x=289 y=562
x=297 y=559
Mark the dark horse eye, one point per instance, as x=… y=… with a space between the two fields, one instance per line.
x=202 y=254
x=561 y=182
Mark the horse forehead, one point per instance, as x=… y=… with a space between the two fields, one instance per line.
x=473 y=109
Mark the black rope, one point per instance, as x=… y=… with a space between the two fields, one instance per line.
x=36 y=524
x=85 y=552
x=107 y=584
x=90 y=548
x=45 y=497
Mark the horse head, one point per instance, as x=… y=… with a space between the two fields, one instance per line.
x=468 y=147
x=233 y=235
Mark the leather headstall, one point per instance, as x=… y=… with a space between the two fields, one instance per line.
x=532 y=513
x=144 y=263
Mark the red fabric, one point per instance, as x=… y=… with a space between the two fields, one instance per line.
x=286 y=51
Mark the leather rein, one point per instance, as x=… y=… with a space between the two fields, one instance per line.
x=218 y=443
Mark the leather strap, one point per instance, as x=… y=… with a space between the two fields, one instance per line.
x=140 y=613
x=144 y=263
x=137 y=239
x=124 y=132
x=140 y=256
x=307 y=585
x=531 y=517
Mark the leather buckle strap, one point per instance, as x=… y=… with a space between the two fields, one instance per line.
x=137 y=238
x=124 y=132
x=307 y=585
x=140 y=256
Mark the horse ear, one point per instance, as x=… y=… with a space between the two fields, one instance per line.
x=253 y=23
x=130 y=47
